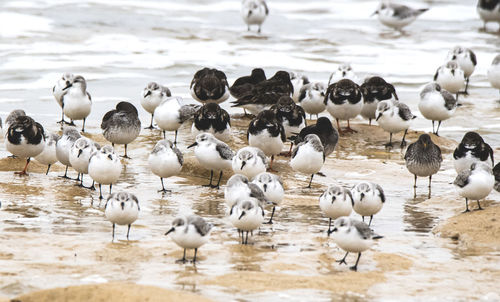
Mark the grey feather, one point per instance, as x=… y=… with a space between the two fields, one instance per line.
x=462 y=178
x=202 y=227
x=187 y=112
x=224 y=151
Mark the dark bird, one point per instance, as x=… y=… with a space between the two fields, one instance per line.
x=209 y=85
x=244 y=85
x=324 y=130
x=213 y=119
x=344 y=101
x=290 y=115
x=375 y=89
x=472 y=149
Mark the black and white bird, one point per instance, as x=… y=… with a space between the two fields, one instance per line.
x=165 y=160
x=76 y=101
x=298 y=81
x=152 y=96
x=308 y=157
x=190 y=232
x=291 y=116
x=122 y=208
x=121 y=125
x=394 y=117
x=397 y=16
x=375 y=89
x=48 y=156
x=489 y=11
x=344 y=101
x=475 y=183
x=209 y=85
x=466 y=60
x=244 y=85
x=423 y=158
x=246 y=215
x=496 y=173
x=59 y=89
x=494 y=72
x=213 y=155
x=336 y=201
x=324 y=129
x=450 y=77
x=12 y=117
x=266 y=133
x=368 y=199
x=472 y=149
x=254 y=12
x=79 y=157
x=436 y=104
x=353 y=236
x=343 y=71
x=25 y=139
x=171 y=114
x=63 y=147
x=105 y=168
x=238 y=187
x=249 y=161
x=312 y=98
x=213 y=119
x=272 y=186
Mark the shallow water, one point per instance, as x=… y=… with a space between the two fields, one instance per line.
x=51 y=229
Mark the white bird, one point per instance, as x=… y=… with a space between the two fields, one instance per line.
x=165 y=161
x=105 y=167
x=254 y=12
x=272 y=187
x=308 y=156
x=466 y=60
x=152 y=96
x=394 y=117
x=63 y=146
x=249 y=161
x=344 y=71
x=121 y=125
x=311 y=98
x=450 y=77
x=475 y=183
x=190 y=232
x=436 y=104
x=48 y=156
x=122 y=208
x=353 y=236
x=335 y=202
x=59 y=89
x=76 y=101
x=238 y=188
x=494 y=72
x=170 y=115
x=489 y=11
x=397 y=16
x=79 y=156
x=246 y=215
x=368 y=198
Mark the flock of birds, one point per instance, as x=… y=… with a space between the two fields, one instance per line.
x=279 y=105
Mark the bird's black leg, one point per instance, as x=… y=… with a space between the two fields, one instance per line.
x=195 y=252
x=183 y=260
x=433 y=127
x=430 y=181
x=126 y=156
x=211 y=176
x=329 y=227
x=403 y=142
x=65 y=173
x=218 y=183
x=113 y=232
x=371 y=218
x=272 y=214
x=437 y=131
x=479 y=206
x=246 y=238
x=466 y=86
x=342 y=261
x=48 y=168
x=355 y=267
x=175 y=139
x=128 y=231
x=310 y=182
x=415 y=187
x=164 y=135
x=100 y=191
x=110 y=188
x=466 y=206
x=151 y=126
x=389 y=144
x=83 y=126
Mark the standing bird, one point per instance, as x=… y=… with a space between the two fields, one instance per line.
x=254 y=12
x=212 y=154
x=291 y=116
x=298 y=81
x=344 y=101
x=190 y=232
x=76 y=101
x=266 y=133
x=308 y=157
x=353 y=236
x=494 y=72
x=170 y=115
x=246 y=215
x=48 y=156
x=344 y=71
x=105 y=168
x=472 y=149
x=245 y=84
x=466 y=60
x=311 y=98
x=165 y=161
x=209 y=86
x=249 y=161
x=423 y=158
x=450 y=77
x=152 y=96
x=79 y=156
x=121 y=125
x=436 y=104
x=397 y=16
x=58 y=90
x=272 y=186
x=375 y=89
x=475 y=183
x=324 y=129
x=25 y=139
x=489 y=11
x=368 y=199
x=122 y=208
x=394 y=118
x=213 y=119
x=335 y=202
x=238 y=188
x=63 y=147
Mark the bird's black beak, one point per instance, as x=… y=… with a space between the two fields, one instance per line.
x=110 y=157
x=242 y=214
x=243 y=164
x=122 y=204
x=170 y=231
x=147 y=93
x=343 y=73
x=379 y=115
x=374 y=13
x=192 y=145
x=265 y=187
x=249 y=13
x=80 y=152
x=68 y=85
x=333 y=199
x=362 y=196
x=334 y=230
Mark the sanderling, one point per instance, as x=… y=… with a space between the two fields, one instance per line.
x=190 y=232
x=238 y=188
x=122 y=208
x=59 y=89
x=121 y=125
x=489 y=11
x=249 y=161
x=213 y=119
x=335 y=202
x=266 y=133
x=494 y=72
x=291 y=116
x=246 y=215
x=344 y=71
x=298 y=81
x=344 y=101
x=394 y=118
x=368 y=199
x=48 y=156
x=79 y=156
x=375 y=89
x=436 y=104
x=165 y=160
x=496 y=173
x=466 y=60
x=63 y=146
x=212 y=154
x=152 y=96
x=397 y=16
x=272 y=187
x=209 y=86
x=244 y=85
x=311 y=98
x=308 y=157
x=254 y=12
x=423 y=158
x=450 y=77
x=25 y=139
x=472 y=149
x=475 y=183
x=170 y=115
x=324 y=129
x=353 y=236
x=105 y=168
x=76 y=101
